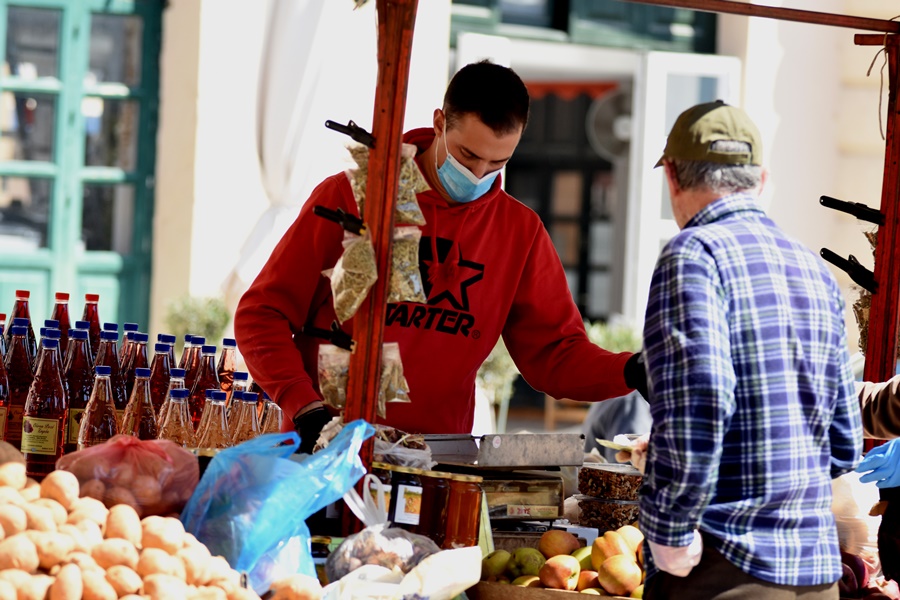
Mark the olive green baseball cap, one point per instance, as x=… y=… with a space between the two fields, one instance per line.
x=698 y=127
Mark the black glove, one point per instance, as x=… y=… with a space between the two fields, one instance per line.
x=636 y=374
x=308 y=426
x=889 y=534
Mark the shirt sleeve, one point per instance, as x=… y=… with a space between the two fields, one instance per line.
x=880 y=407
x=691 y=382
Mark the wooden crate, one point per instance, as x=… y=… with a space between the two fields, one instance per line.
x=503 y=591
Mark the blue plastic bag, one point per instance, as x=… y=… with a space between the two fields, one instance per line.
x=253 y=500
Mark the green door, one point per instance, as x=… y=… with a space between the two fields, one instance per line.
x=79 y=97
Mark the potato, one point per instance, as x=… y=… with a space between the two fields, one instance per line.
x=83 y=560
x=239 y=593
x=56 y=509
x=91 y=535
x=221 y=573
x=164 y=587
x=61 y=486
x=32 y=490
x=93 y=488
x=115 y=551
x=96 y=587
x=8 y=591
x=52 y=547
x=17 y=577
x=19 y=552
x=88 y=508
x=124 y=580
x=162 y=532
x=157 y=560
x=13 y=475
x=121 y=474
x=36 y=588
x=9 y=453
x=39 y=517
x=68 y=585
x=123 y=522
x=13 y=519
x=146 y=490
x=10 y=495
x=119 y=495
x=297 y=587
x=195 y=565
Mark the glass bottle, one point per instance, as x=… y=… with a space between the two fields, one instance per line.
x=47 y=332
x=272 y=417
x=463 y=511
x=215 y=433
x=4 y=398
x=160 y=372
x=176 y=380
x=225 y=368
x=140 y=419
x=206 y=379
x=91 y=314
x=32 y=349
x=60 y=314
x=110 y=326
x=204 y=417
x=22 y=311
x=107 y=355
x=435 y=500
x=240 y=383
x=186 y=351
x=99 y=421
x=406 y=498
x=20 y=375
x=128 y=331
x=78 y=374
x=246 y=425
x=85 y=326
x=137 y=358
x=43 y=424
x=177 y=425
x=193 y=361
x=165 y=338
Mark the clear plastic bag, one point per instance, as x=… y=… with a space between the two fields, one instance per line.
x=253 y=501
x=155 y=477
x=334 y=370
x=407 y=210
x=380 y=545
x=394 y=387
x=406 y=277
x=353 y=275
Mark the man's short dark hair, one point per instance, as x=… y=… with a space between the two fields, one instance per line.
x=493 y=93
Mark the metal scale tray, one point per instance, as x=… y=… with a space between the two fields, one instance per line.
x=508 y=450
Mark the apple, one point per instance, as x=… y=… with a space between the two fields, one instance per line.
x=609 y=544
x=637 y=592
x=494 y=564
x=557 y=541
x=560 y=572
x=633 y=536
x=583 y=555
x=594 y=591
x=587 y=579
x=619 y=575
x=524 y=561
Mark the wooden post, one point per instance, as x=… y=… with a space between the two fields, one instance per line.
x=396 y=20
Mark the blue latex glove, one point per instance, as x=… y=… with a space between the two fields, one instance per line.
x=883 y=462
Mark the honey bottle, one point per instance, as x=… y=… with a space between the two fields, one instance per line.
x=247 y=423
x=99 y=422
x=46 y=409
x=140 y=420
x=176 y=380
x=215 y=433
x=137 y=358
x=186 y=351
x=166 y=338
x=240 y=383
x=225 y=368
x=193 y=361
x=21 y=310
x=177 y=425
x=78 y=374
x=91 y=314
x=85 y=326
x=272 y=417
x=20 y=375
x=160 y=372
x=60 y=314
x=108 y=356
x=206 y=379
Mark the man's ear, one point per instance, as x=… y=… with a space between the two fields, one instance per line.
x=438 y=122
x=670 y=176
x=763 y=178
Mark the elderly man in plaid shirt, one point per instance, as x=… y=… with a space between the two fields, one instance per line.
x=750 y=388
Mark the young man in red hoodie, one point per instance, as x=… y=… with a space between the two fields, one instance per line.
x=489 y=268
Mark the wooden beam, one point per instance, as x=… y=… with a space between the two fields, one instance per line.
x=783 y=14
x=873 y=39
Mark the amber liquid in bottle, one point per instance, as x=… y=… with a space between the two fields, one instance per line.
x=246 y=425
x=61 y=316
x=186 y=351
x=177 y=425
x=21 y=311
x=160 y=373
x=215 y=433
x=206 y=379
x=193 y=362
x=127 y=346
x=79 y=377
x=91 y=314
x=140 y=419
x=46 y=409
x=99 y=422
x=20 y=376
x=137 y=359
x=225 y=368
x=176 y=381
x=4 y=399
x=107 y=356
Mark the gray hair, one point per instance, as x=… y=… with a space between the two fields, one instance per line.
x=718 y=177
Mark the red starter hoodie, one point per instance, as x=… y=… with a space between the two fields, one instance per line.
x=494 y=272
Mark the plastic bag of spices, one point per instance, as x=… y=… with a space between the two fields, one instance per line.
x=406 y=278
x=394 y=387
x=353 y=275
x=407 y=210
x=334 y=369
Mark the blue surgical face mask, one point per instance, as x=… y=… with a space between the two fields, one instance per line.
x=460 y=183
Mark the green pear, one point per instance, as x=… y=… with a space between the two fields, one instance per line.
x=583 y=555
x=494 y=564
x=525 y=561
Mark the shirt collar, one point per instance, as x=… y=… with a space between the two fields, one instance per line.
x=739 y=202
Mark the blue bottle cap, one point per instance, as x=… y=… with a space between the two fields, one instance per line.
x=140 y=337
x=219 y=395
x=50 y=343
x=21 y=321
x=208 y=349
x=110 y=327
x=241 y=376
x=209 y=392
x=18 y=330
x=180 y=393
x=198 y=340
x=130 y=327
x=42 y=331
x=237 y=395
x=82 y=324
x=229 y=342
x=53 y=333
x=51 y=323
x=250 y=396
x=103 y=370
x=142 y=372
x=159 y=347
x=165 y=338
x=78 y=334
x=188 y=338
x=112 y=336
x=177 y=373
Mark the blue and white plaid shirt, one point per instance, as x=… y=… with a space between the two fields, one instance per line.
x=752 y=396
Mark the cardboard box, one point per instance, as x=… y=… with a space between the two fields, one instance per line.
x=523 y=496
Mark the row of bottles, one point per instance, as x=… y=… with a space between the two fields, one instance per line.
x=20 y=315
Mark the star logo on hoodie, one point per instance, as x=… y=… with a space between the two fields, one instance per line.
x=445 y=280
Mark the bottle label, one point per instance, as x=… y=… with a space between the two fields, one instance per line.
x=14 y=422
x=40 y=436
x=373 y=491
x=409 y=504
x=73 y=425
